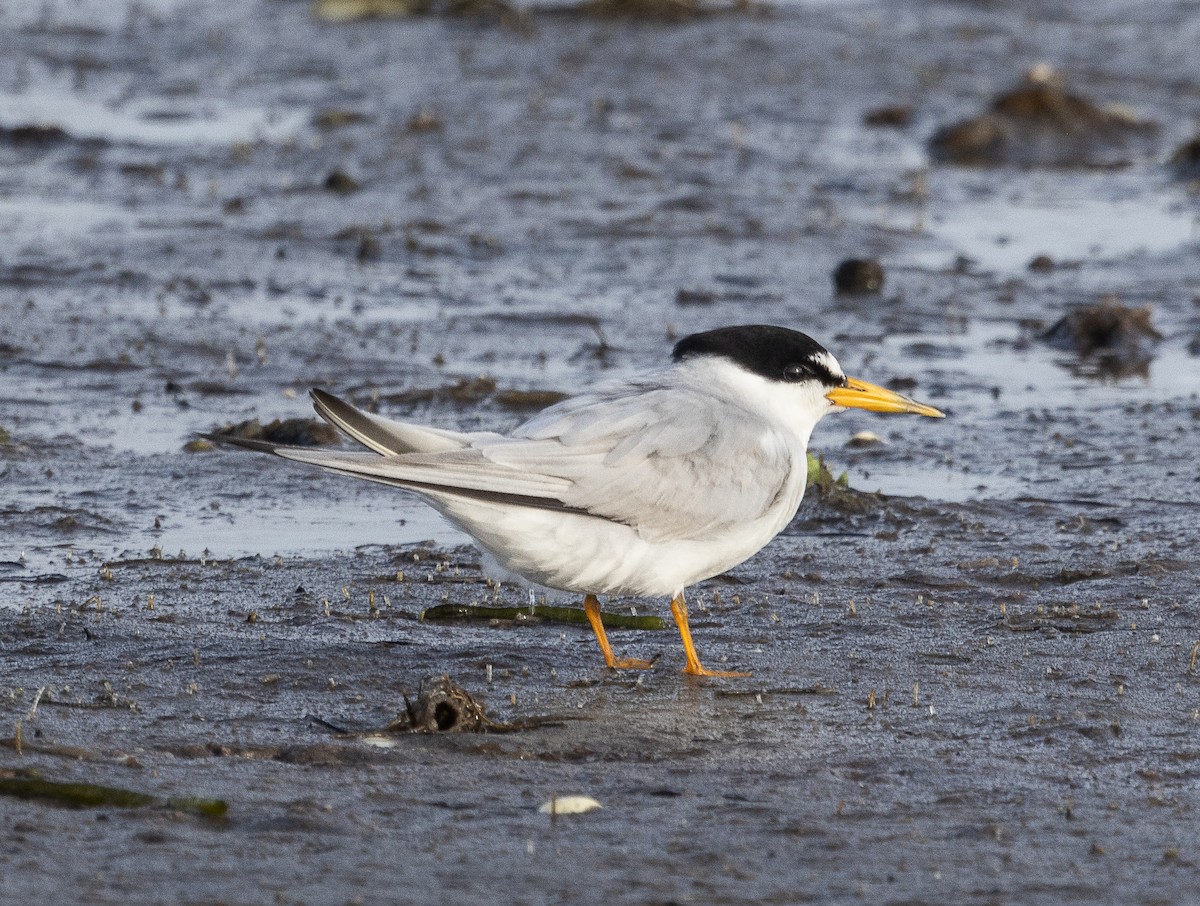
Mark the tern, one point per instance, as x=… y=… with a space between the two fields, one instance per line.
x=641 y=486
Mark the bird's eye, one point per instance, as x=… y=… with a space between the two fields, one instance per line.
x=795 y=373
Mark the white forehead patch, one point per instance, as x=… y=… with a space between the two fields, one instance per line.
x=827 y=359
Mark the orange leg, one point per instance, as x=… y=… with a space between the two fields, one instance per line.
x=591 y=606
x=694 y=667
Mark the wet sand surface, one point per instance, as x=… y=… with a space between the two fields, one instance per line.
x=978 y=686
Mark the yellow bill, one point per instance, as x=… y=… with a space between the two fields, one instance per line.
x=856 y=394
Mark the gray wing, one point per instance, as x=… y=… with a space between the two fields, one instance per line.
x=669 y=461
x=428 y=460
x=672 y=462
x=451 y=471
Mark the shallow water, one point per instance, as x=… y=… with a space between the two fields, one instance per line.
x=1092 y=218
x=149 y=122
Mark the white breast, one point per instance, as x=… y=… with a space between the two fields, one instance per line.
x=593 y=555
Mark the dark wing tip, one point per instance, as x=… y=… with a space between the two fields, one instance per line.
x=228 y=440
x=331 y=408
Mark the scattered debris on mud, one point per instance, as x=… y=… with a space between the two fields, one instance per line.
x=1185 y=162
x=33 y=135
x=569 y=805
x=863 y=439
x=442 y=706
x=290 y=432
x=341 y=183
x=358 y=10
x=1118 y=339
x=896 y=116
x=1041 y=124
x=473 y=391
x=29 y=785
x=830 y=493
x=858 y=277
x=650 y=10
x=548 y=613
x=660 y=11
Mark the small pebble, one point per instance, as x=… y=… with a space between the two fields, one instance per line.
x=858 y=276
x=896 y=116
x=341 y=182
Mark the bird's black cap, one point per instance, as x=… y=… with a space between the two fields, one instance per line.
x=775 y=353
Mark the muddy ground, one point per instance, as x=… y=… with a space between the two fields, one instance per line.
x=978 y=687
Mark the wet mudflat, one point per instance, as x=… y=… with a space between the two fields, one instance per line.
x=980 y=686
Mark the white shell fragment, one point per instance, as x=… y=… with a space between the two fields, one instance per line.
x=864 y=439
x=380 y=741
x=569 y=805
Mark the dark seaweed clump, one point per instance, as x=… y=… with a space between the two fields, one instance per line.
x=1117 y=339
x=1041 y=124
x=1185 y=162
x=291 y=432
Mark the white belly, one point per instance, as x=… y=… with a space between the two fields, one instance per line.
x=590 y=555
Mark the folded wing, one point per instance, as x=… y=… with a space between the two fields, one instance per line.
x=455 y=470
x=671 y=462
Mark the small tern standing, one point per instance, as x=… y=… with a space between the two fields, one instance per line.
x=642 y=486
